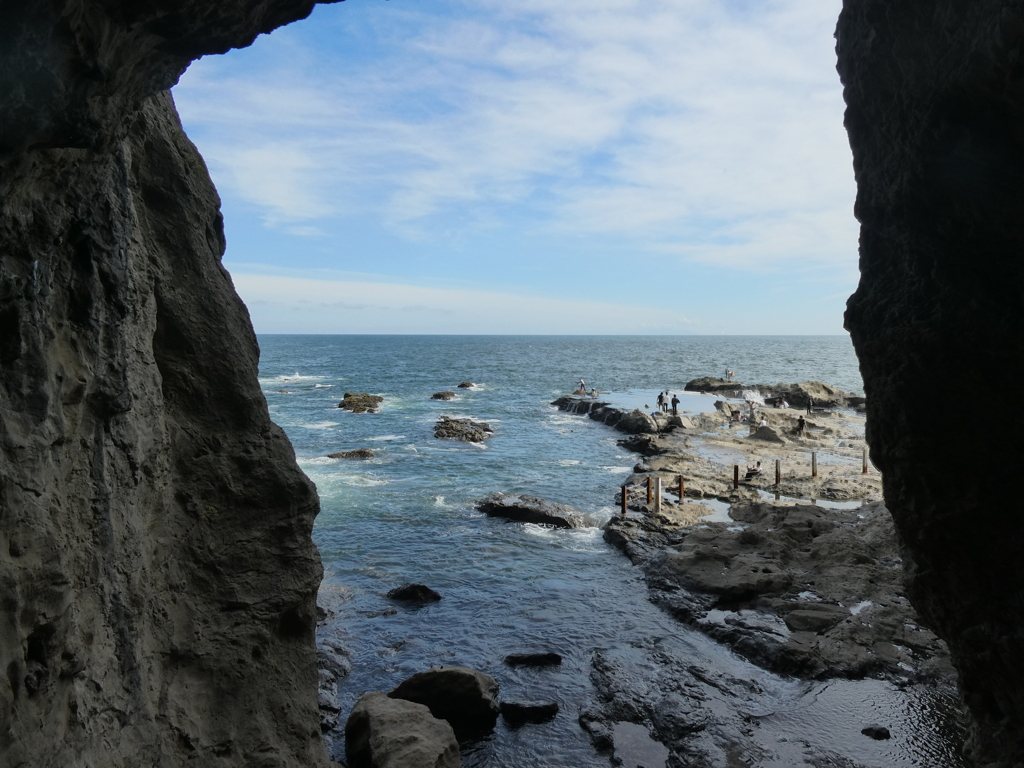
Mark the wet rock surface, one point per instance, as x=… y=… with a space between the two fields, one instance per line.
x=361 y=402
x=443 y=396
x=466 y=430
x=524 y=508
x=800 y=590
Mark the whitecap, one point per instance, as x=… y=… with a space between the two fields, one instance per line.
x=568 y=462
x=320 y=425
x=387 y=437
x=313 y=461
x=322 y=386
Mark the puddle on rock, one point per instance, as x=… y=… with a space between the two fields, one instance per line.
x=635 y=748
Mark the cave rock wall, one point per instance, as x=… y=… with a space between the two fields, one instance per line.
x=935 y=115
x=157 y=575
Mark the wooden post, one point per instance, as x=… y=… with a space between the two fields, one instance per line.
x=682 y=489
x=657 y=495
x=650 y=489
x=778 y=472
x=735 y=476
x=865 y=462
x=814 y=464
x=625 y=499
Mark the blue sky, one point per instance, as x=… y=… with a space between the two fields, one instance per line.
x=542 y=166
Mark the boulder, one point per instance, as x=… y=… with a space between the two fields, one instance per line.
x=637 y=422
x=360 y=402
x=358 y=453
x=466 y=430
x=533 y=659
x=443 y=396
x=798 y=395
x=465 y=385
x=467 y=699
x=876 y=732
x=388 y=732
x=711 y=384
x=768 y=434
x=816 y=617
x=520 y=712
x=531 y=509
x=414 y=593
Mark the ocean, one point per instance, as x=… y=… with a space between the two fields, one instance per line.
x=408 y=515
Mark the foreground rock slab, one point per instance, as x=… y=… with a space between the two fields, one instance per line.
x=385 y=732
x=524 y=508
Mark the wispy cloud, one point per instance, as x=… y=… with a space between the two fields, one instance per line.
x=705 y=130
x=304 y=305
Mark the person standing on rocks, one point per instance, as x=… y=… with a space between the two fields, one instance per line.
x=801 y=425
x=583 y=386
x=675 y=405
x=661 y=401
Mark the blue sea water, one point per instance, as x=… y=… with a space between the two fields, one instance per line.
x=408 y=515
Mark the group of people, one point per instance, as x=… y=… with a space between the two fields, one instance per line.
x=664 y=401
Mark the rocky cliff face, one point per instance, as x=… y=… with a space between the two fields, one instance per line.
x=935 y=95
x=157 y=574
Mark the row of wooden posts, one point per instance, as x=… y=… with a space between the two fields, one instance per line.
x=654 y=483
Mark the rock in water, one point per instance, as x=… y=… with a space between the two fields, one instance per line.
x=358 y=453
x=637 y=422
x=443 y=396
x=361 y=402
x=466 y=430
x=521 y=712
x=385 y=732
x=467 y=699
x=414 y=593
x=465 y=385
x=530 y=509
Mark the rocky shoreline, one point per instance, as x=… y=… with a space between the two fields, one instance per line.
x=797 y=587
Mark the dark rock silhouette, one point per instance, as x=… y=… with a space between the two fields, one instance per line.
x=935 y=116
x=414 y=593
x=462 y=696
x=360 y=402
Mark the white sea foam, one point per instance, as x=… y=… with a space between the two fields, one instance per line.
x=617 y=470
x=315 y=461
x=386 y=437
x=320 y=425
x=860 y=607
x=322 y=386
x=568 y=462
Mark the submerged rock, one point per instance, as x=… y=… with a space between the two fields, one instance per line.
x=465 y=385
x=467 y=699
x=547 y=659
x=361 y=402
x=521 y=712
x=467 y=430
x=531 y=509
x=358 y=453
x=388 y=732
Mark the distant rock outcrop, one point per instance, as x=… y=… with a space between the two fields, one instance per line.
x=361 y=402
x=466 y=430
x=443 y=396
x=358 y=453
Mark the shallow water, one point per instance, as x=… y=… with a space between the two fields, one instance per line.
x=407 y=515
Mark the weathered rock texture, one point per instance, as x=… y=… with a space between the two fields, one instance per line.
x=157 y=574
x=935 y=114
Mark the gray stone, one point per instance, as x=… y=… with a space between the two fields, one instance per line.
x=443 y=396
x=767 y=434
x=385 y=732
x=466 y=430
x=358 y=453
x=361 y=402
x=637 y=422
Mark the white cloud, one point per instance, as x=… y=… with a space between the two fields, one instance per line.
x=677 y=122
x=281 y=304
